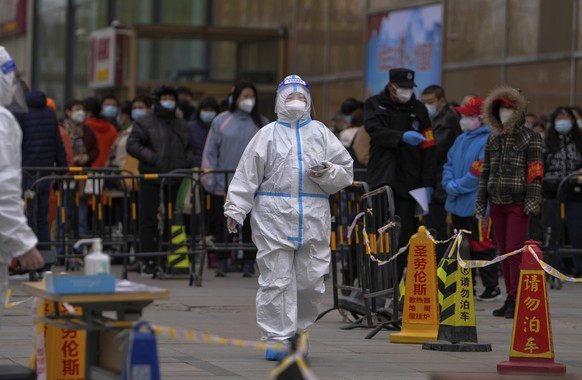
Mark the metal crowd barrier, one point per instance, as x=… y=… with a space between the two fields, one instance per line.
x=364 y=288
x=111 y=199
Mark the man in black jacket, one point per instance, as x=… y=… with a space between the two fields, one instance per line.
x=402 y=148
x=446 y=128
x=161 y=143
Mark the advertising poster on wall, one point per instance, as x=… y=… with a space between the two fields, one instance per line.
x=409 y=38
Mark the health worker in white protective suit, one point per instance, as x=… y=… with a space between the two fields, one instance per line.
x=16 y=238
x=285 y=176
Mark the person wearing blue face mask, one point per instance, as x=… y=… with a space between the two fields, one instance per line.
x=110 y=107
x=562 y=155
x=446 y=128
x=229 y=134
x=160 y=141
x=207 y=110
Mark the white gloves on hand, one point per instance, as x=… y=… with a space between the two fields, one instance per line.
x=319 y=173
x=232 y=225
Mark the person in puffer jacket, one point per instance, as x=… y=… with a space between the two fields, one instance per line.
x=161 y=143
x=42 y=147
x=511 y=181
x=461 y=175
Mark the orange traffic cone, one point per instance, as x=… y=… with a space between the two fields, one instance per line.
x=420 y=316
x=532 y=349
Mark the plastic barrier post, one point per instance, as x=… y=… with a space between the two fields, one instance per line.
x=457 y=330
x=420 y=319
x=295 y=366
x=178 y=258
x=532 y=349
x=142 y=354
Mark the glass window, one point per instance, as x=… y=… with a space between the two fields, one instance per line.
x=524 y=27
x=459 y=83
x=183 y=12
x=579 y=39
x=328 y=97
x=545 y=85
x=88 y=16
x=555 y=31
x=129 y=12
x=49 y=5
x=474 y=30
x=51 y=50
x=539 y=26
x=347 y=44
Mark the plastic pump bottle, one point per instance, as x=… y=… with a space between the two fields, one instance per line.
x=96 y=262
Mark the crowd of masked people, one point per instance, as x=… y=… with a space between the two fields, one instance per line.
x=152 y=133
x=487 y=164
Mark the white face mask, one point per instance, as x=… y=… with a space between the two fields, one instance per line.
x=295 y=108
x=470 y=123
x=505 y=114
x=403 y=94
x=78 y=116
x=432 y=111
x=246 y=105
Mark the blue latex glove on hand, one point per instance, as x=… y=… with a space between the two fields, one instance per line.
x=412 y=138
x=429 y=191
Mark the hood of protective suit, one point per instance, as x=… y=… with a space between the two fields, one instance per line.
x=491 y=109
x=290 y=85
x=11 y=94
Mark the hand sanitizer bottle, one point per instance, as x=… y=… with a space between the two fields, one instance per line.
x=97 y=262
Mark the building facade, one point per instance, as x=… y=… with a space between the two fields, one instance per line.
x=535 y=45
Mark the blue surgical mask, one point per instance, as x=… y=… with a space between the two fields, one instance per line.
x=348 y=118
x=137 y=113
x=432 y=111
x=563 y=126
x=207 y=116
x=109 y=112
x=168 y=104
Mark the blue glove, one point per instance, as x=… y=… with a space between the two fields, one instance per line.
x=412 y=138
x=429 y=191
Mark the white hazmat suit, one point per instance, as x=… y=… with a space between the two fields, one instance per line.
x=290 y=218
x=16 y=237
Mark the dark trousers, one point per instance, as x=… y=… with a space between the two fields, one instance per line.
x=510 y=225
x=38 y=220
x=489 y=274
x=149 y=203
x=217 y=228
x=436 y=222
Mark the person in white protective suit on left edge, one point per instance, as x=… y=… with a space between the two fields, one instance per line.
x=16 y=238
x=285 y=176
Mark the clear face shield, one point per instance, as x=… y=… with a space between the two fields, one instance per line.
x=11 y=93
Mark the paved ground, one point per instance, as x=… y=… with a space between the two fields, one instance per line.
x=225 y=306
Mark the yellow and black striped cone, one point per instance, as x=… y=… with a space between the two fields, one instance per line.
x=457 y=328
x=178 y=261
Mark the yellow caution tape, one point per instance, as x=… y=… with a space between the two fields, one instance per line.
x=199 y=337
x=10 y=305
x=551 y=270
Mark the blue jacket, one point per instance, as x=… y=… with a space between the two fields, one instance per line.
x=42 y=145
x=227 y=139
x=462 y=170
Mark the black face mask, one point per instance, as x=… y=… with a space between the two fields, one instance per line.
x=184 y=105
